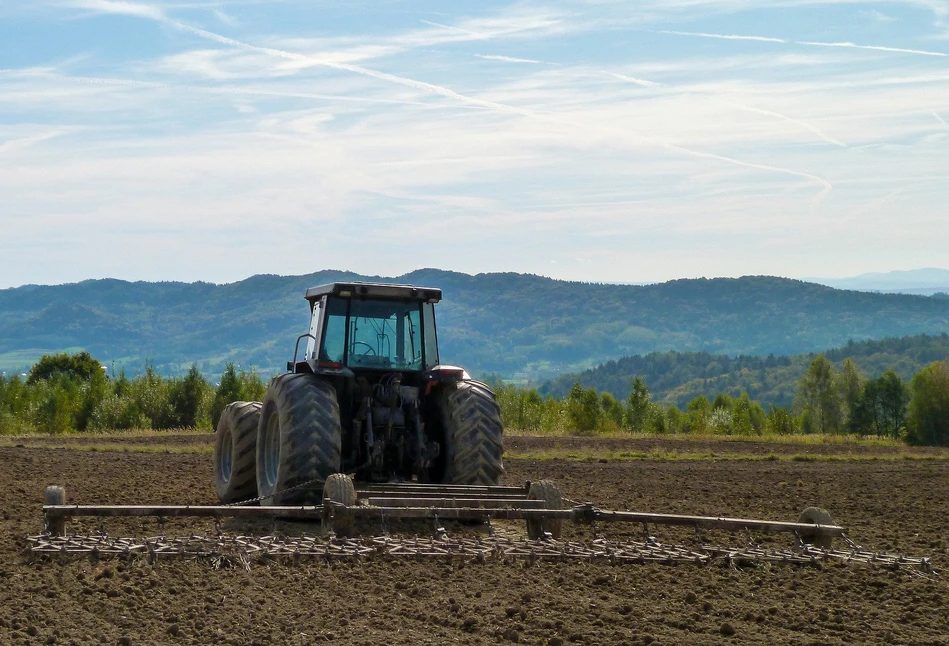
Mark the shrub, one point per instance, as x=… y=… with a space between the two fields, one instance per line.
x=187 y=398
x=236 y=386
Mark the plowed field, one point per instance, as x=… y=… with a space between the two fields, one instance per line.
x=892 y=503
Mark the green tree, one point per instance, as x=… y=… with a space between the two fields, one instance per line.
x=612 y=409
x=637 y=407
x=150 y=395
x=818 y=398
x=187 y=396
x=850 y=382
x=14 y=404
x=780 y=421
x=928 y=419
x=583 y=410
x=235 y=386
x=521 y=408
x=677 y=421
x=55 y=401
x=92 y=393
x=741 y=416
x=700 y=415
x=882 y=406
x=81 y=366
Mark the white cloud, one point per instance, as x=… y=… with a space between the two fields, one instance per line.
x=119 y=7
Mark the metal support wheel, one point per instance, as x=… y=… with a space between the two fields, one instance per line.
x=548 y=492
x=816 y=516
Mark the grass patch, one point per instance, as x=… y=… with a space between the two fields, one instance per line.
x=658 y=455
x=111 y=434
x=110 y=447
x=772 y=438
x=670 y=456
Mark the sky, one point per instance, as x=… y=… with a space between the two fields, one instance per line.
x=599 y=141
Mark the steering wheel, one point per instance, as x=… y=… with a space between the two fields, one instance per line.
x=370 y=350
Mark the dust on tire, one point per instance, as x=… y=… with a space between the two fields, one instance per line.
x=471 y=419
x=299 y=439
x=235 y=452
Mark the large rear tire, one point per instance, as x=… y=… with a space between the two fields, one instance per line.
x=471 y=420
x=235 y=452
x=298 y=441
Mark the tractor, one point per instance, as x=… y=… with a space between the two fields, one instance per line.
x=368 y=397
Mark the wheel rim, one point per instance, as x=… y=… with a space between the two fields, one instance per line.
x=271 y=449
x=225 y=459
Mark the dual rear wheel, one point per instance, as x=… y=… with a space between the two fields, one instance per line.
x=283 y=449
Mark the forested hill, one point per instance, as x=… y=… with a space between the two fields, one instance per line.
x=679 y=377
x=515 y=325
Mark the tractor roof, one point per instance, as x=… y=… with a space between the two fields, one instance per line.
x=375 y=290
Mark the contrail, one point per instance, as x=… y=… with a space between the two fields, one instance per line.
x=808 y=43
x=828 y=187
x=506 y=59
x=155 y=14
x=11 y=145
x=940 y=119
x=382 y=76
x=630 y=79
x=802 y=124
x=95 y=80
x=879 y=48
x=500 y=107
x=763 y=39
x=453 y=28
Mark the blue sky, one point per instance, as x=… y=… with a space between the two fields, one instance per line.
x=600 y=141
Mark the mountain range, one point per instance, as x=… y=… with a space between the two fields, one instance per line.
x=913 y=281
x=519 y=326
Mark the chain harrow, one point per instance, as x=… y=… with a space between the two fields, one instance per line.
x=243 y=550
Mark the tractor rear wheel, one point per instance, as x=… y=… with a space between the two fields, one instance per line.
x=235 y=452
x=471 y=420
x=298 y=440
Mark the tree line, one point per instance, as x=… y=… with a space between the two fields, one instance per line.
x=679 y=377
x=65 y=392
x=827 y=400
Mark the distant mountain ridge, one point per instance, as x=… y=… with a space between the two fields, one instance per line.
x=913 y=281
x=520 y=326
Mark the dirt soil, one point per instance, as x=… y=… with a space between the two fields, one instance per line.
x=889 y=504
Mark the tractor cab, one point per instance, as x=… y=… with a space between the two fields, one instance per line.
x=356 y=327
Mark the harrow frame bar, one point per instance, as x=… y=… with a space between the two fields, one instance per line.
x=424 y=501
